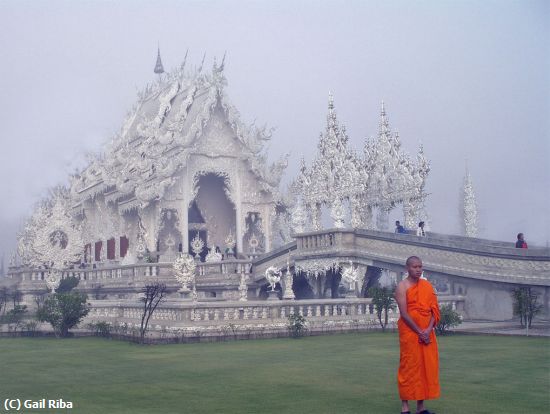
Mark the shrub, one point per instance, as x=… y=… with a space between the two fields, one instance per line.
x=15 y=316
x=102 y=329
x=526 y=305
x=382 y=299
x=297 y=325
x=449 y=319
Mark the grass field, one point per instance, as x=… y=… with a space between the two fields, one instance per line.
x=352 y=373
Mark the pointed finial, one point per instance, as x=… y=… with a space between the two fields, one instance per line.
x=202 y=63
x=223 y=60
x=184 y=59
x=384 y=125
x=330 y=101
x=158 y=66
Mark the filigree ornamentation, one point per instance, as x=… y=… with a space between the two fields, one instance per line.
x=382 y=179
x=197 y=245
x=243 y=288
x=337 y=213
x=51 y=239
x=230 y=241
x=184 y=271
x=299 y=217
x=468 y=208
x=316 y=267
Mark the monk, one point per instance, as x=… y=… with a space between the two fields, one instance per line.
x=418 y=375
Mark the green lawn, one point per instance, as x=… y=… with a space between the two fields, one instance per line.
x=352 y=373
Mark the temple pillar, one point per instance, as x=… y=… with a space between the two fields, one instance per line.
x=409 y=215
x=316 y=216
x=267 y=229
x=238 y=216
x=367 y=220
x=183 y=214
x=382 y=219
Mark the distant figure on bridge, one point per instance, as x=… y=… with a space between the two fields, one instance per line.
x=420 y=230
x=520 y=243
x=418 y=375
x=399 y=228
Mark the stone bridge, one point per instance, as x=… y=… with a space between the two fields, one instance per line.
x=483 y=271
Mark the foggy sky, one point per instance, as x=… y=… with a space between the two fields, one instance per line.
x=468 y=79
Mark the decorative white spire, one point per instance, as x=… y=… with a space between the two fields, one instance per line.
x=159 y=69
x=468 y=207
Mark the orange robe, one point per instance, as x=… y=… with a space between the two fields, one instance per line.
x=418 y=375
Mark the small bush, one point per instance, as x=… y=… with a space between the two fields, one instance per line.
x=102 y=329
x=449 y=319
x=297 y=325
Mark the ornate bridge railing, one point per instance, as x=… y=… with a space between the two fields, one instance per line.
x=459 y=256
x=186 y=314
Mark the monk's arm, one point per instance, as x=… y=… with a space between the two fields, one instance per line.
x=401 y=299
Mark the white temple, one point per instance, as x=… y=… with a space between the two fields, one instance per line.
x=185 y=174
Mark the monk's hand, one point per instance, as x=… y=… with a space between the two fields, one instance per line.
x=424 y=336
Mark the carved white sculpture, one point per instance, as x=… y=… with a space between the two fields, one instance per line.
x=273 y=276
x=197 y=244
x=337 y=213
x=184 y=271
x=289 y=280
x=351 y=275
x=243 y=287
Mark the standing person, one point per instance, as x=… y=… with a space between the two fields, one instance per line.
x=520 y=243
x=420 y=230
x=418 y=375
x=399 y=228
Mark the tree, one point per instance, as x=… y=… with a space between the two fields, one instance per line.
x=449 y=318
x=382 y=299
x=526 y=305
x=4 y=297
x=16 y=296
x=153 y=295
x=67 y=284
x=64 y=311
x=15 y=317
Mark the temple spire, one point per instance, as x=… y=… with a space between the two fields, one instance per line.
x=159 y=69
x=384 y=125
x=468 y=207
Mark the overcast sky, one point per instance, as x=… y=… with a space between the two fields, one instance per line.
x=468 y=79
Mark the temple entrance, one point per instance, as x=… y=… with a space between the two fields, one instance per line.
x=211 y=214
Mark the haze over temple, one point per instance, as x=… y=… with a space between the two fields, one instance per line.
x=186 y=176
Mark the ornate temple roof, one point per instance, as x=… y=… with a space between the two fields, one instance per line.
x=162 y=130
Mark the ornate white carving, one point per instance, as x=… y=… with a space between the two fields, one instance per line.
x=468 y=208
x=337 y=213
x=384 y=177
x=273 y=276
x=184 y=271
x=51 y=239
x=243 y=287
x=197 y=244
x=316 y=267
x=351 y=275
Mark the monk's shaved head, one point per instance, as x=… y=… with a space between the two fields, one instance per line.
x=413 y=259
